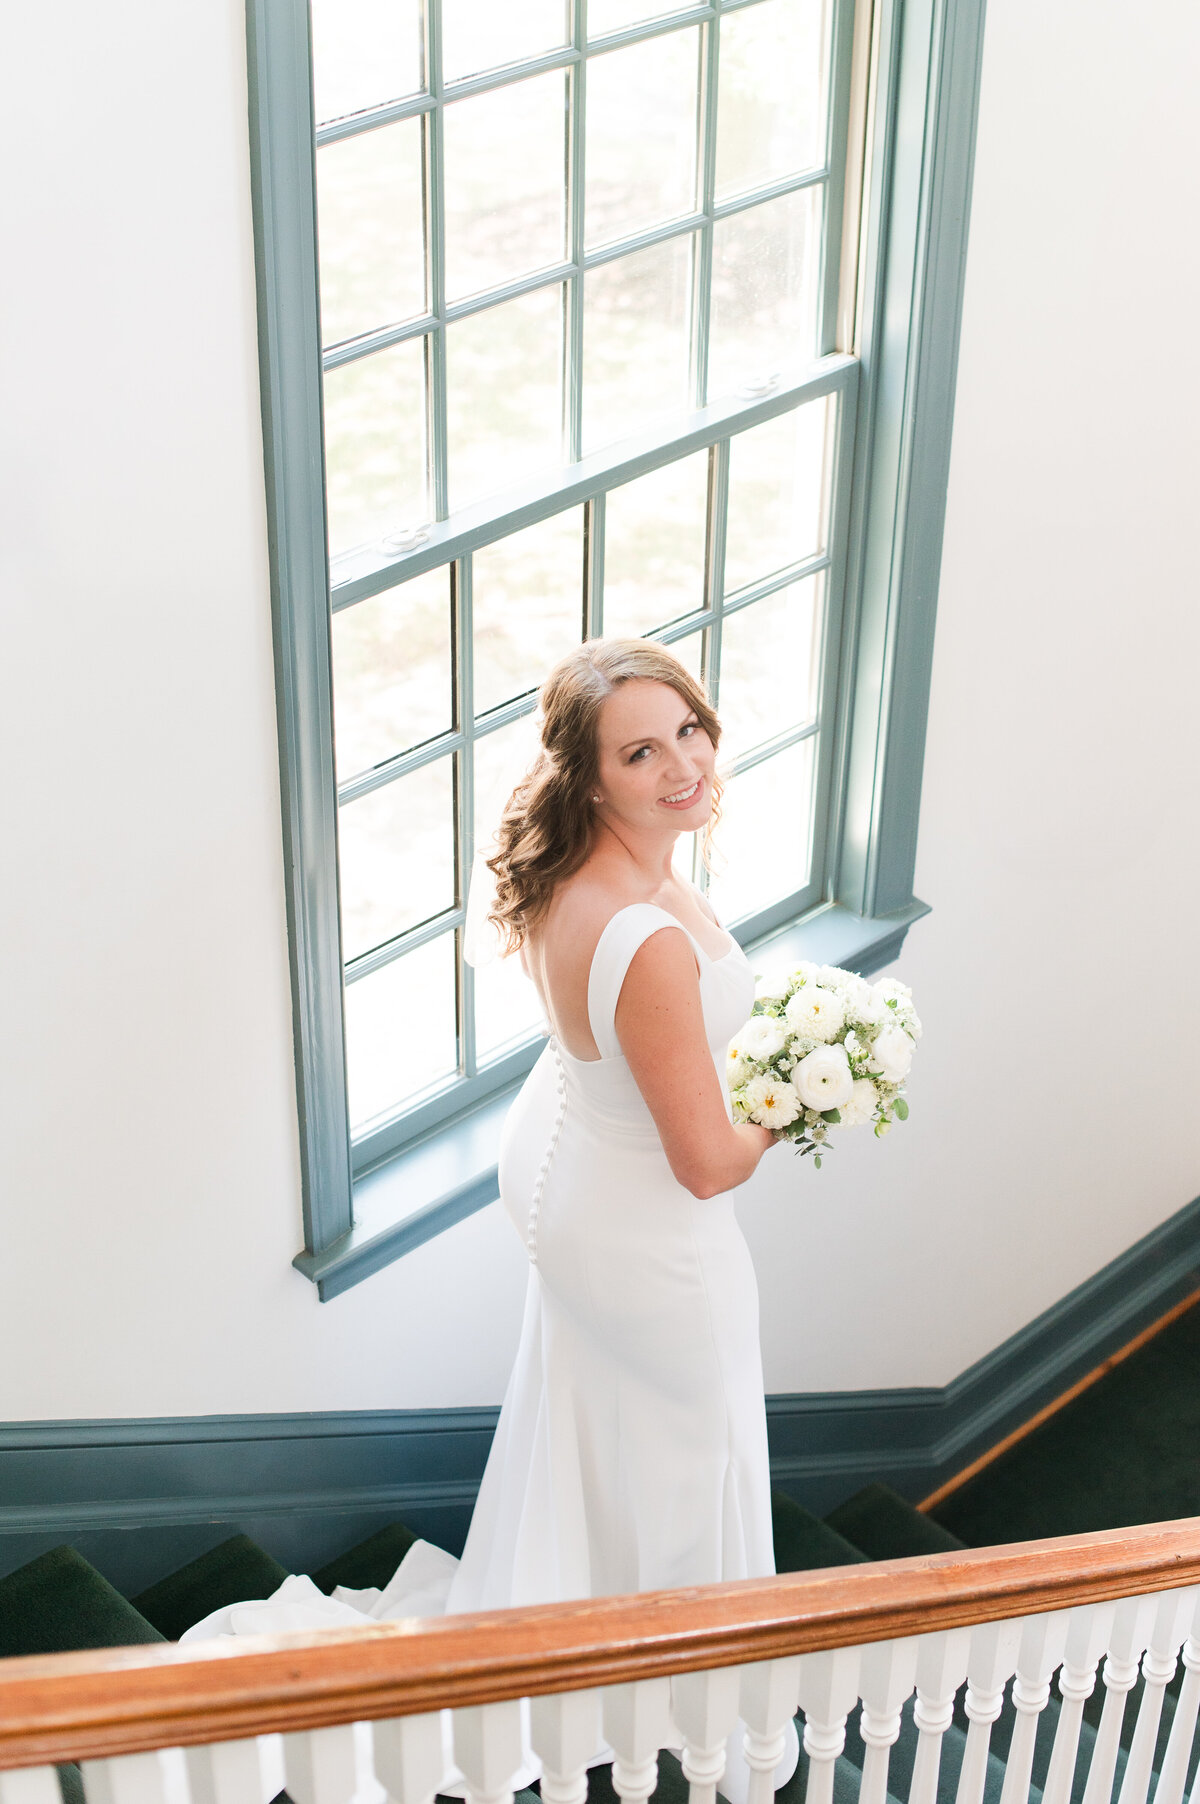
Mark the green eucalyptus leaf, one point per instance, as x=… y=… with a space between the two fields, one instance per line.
x=901 y=1108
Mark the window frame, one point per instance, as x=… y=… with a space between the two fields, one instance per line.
x=898 y=381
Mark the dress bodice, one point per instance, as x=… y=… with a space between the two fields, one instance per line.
x=605 y=1088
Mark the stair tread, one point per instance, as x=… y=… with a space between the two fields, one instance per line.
x=58 y=1603
x=887 y=1527
x=231 y=1573
x=369 y=1562
x=803 y=1542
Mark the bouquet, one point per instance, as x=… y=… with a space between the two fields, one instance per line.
x=823 y=1049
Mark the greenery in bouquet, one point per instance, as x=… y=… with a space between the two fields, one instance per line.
x=823 y=1049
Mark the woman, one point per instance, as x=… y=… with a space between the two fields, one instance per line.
x=631 y=1452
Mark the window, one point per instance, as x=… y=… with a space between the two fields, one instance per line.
x=588 y=336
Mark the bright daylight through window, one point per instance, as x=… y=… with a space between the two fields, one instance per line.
x=537 y=247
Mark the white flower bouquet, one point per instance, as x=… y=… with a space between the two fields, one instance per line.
x=823 y=1049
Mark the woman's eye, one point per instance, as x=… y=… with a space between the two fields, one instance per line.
x=637 y=755
x=689 y=726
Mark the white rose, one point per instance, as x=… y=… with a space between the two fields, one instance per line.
x=816 y=1013
x=773 y=986
x=823 y=1079
x=771 y=1101
x=761 y=1038
x=861 y=1106
x=892 y=1054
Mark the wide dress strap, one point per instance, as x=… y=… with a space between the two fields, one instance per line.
x=615 y=948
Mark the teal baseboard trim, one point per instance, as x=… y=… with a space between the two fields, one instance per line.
x=139 y=1497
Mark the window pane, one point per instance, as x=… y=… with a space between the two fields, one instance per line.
x=501 y=760
x=527 y=595
x=690 y=652
x=766 y=272
x=372 y=245
x=763 y=845
x=365 y=52
x=654 y=532
x=776 y=495
x=400 y=1030
x=635 y=344
x=396 y=850
x=391 y=672
x=507 y=1009
x=504 y=387
x=375 y=445
x=769 y=101
x=613 y=15
x=482 y=34
x=769 y=654
x=641 y=135
x=505 y=184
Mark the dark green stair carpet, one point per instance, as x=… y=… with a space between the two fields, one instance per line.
x=59 y=1602
x=229 y=1574
x=1126 y=1451
x=372 y=1562
x=803 y=1542
x=887 y=1527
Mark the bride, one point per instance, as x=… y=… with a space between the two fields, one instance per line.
x=631 y=1450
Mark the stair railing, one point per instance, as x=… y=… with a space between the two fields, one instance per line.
x=404 y=1709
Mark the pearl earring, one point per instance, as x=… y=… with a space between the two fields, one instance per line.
x=595 y=798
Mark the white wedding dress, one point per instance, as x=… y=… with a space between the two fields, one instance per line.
x=631 y=1450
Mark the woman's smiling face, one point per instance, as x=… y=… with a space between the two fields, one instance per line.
x=656 y=762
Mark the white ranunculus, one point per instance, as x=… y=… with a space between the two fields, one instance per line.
x=892 y=1055
x=816 y=1013
x=761 y=1038
x=861 y=1106
x=772 y=985
x=771 y=1101
x=823 y=1080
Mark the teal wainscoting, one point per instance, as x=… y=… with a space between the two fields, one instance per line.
x=137 y=1498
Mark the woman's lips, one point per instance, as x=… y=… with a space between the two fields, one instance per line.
x=686 y=801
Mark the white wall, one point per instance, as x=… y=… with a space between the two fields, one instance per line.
x=150 y=1203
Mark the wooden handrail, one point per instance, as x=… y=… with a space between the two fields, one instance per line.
x=57 y=1707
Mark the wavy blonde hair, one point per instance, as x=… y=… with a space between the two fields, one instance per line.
x=546 y=830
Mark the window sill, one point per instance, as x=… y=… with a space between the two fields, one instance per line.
x=452 y=1172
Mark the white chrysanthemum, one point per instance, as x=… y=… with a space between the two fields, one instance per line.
x=771 y=1101
x=762 y=1037
x=815 y=1012
x=892 y=1054
x=823 y=1080
x=861 y=1104
x=773 y=986
x=738 y=1070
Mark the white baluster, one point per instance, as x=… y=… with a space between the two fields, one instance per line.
x=887 y=1677
x=320 y=1766
x=1132 y=1620
x=828 y=1693
x=30 y=1785
x=1175 y=1609
x=705 y=1707
x=226 y=1772
x=565 y=1732
x=990 y=1664
x=157 y=1777
x=637 y=1723
x=941 y=1668
x=410 y=1756
x=489 y=1748
x=770 y=1692
x=1173 y=1773
x=1089 y=1631
x=1043 y=1642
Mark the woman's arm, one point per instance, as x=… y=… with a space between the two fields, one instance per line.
x=660 y=1026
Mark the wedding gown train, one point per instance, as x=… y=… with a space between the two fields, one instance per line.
x=631 y=1449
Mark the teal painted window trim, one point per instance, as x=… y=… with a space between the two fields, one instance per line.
x=901 y=386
